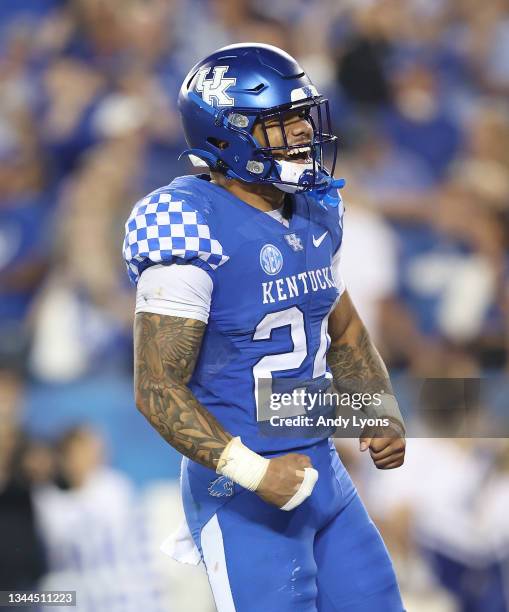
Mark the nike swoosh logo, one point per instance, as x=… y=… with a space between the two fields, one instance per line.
x=318 y=241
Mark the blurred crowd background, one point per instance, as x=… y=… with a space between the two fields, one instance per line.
x=419 y=92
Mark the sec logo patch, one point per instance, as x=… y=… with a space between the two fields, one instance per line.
x=271 y=259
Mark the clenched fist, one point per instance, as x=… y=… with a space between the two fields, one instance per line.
x=386 y=445
x=283 y=478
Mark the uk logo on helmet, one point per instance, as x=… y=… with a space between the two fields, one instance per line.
x=215 y=88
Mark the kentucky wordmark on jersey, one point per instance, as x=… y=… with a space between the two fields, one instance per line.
x=270 y=295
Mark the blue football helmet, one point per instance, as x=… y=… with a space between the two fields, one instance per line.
x=225 y=94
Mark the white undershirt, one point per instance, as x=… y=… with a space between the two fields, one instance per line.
x=277 y=214
x=176 y=290
x=186 y=290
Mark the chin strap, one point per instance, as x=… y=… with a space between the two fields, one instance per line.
x=327 y=192
x=296 y=177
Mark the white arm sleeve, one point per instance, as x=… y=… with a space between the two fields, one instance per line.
x=175 y=290
x=336 y=272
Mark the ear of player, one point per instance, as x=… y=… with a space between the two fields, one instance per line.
x=248 y=469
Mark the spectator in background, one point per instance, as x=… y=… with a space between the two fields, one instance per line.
x=363 y=46
x=369 y=263
x=83 y=321
x=22 y=560
x=442 y=512
x=72 y=91
x=95 y=542
x=395 y=183
x=483 y=36
x=418 y=122
x=25 y=222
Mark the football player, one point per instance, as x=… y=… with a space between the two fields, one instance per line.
x=238 y=284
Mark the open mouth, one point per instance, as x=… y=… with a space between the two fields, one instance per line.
x=299 y=155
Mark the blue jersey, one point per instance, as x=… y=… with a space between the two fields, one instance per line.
x=273 y=290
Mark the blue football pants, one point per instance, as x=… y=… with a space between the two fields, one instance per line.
x=325 y=555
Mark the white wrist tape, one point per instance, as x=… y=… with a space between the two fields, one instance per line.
x=242 y=465
x=305 y=489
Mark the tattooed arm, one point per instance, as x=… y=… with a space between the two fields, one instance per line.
x=165 y=351
x=353 y=359
x=357 y=367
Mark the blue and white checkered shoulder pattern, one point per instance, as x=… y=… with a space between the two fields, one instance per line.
x=159 y=230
